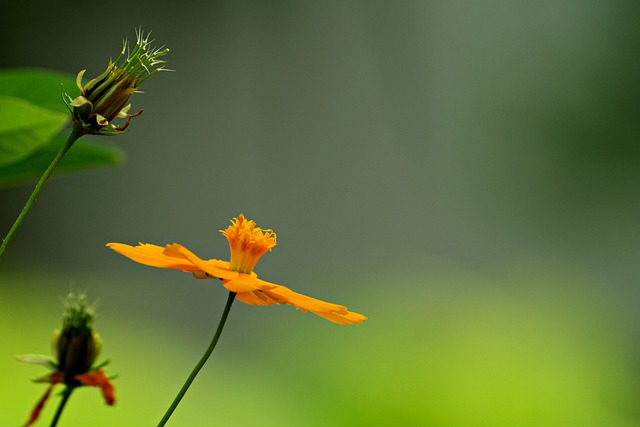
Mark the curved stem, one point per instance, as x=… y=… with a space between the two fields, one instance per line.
x=73 y=137
x=65 y=397
x=201 y=362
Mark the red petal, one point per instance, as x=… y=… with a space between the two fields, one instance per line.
x=99 y=379
x=36 y=411
x=54 y=379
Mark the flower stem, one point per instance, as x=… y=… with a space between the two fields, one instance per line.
x=73 y=137
x=200 y=363
x=65 y=396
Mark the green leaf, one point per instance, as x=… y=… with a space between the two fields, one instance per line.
x=38 y=86
x=24 y=127
x=83 y=155
x=32 y=113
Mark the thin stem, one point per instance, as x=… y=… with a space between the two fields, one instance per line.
x=200 y=363
x=73 y=137
x=65 y=396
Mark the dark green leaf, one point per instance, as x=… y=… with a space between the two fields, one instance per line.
x=24 y=127
x=32 y=111
x=40 y=87
x=84 y=154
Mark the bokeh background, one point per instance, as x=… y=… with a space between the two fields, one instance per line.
x=464 y=173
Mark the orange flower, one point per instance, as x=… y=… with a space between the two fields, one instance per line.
x=247 y=244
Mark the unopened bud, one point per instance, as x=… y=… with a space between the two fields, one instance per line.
x=105 y=98
x=77 y=346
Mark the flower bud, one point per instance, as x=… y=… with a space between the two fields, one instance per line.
x=77 y=346
x=105 y=97
x=76 y=351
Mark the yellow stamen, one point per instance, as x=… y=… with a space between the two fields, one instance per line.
x=247 y=243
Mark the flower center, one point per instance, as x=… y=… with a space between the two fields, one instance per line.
x=247 y=243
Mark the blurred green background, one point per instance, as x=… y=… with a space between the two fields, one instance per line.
x=464 y=173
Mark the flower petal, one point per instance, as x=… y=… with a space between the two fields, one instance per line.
x=99 y=379
x=54 y=379
x=101 y=120
x=348 y=318
x=247 y=283
x=256 y=298
x=154 y=256
x=81 y=101
x=213 y=267
x=333 y=312
x=123 y=113
x=79 y=79
x=36 y=411
x=38 y=359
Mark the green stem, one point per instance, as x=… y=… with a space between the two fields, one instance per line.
x=201 y=363
x=73 y=137
x=65 y=396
